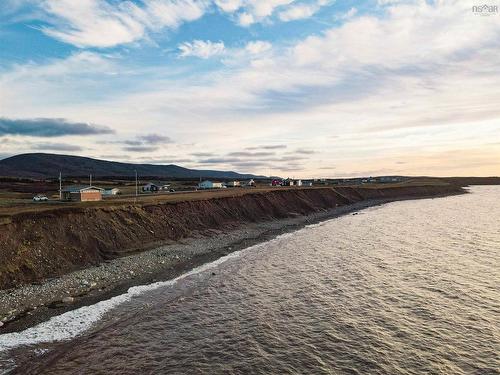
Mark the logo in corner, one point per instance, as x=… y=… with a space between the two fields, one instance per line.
x=485 y=10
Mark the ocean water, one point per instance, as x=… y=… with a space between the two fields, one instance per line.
x=409 y=287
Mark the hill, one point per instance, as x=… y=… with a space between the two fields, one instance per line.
x=40 y=165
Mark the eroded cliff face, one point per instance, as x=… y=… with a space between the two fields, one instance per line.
x=48 y=244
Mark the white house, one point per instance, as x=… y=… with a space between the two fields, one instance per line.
x=210 y=185
x=251 y=182
x=114 y=191
x=233 y=184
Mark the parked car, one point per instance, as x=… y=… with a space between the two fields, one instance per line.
x=40 y=198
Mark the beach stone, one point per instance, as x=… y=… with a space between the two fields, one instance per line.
x=68 y=299
x=1 y=324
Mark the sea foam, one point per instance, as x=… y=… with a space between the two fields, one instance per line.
x=73 y=323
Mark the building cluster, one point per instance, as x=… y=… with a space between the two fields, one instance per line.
x=207 y=184
x=291 y=182
x=89 y=193
x=155 y=187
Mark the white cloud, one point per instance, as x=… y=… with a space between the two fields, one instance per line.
x=258 y=47
x=346 y=15
x=229 y=6
x=265 y=8
x=391 y=2
x=207 y=49
x=298 y=12
x=246 y=19
x=107 y=23
x=410 y=35
x=252 y=11
x=201 y=49
x=168 y=13
x=302 y=11
x=100 y=23
x=78 y=64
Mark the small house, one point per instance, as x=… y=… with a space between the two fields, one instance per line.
x=150 y=187
x=250 y=182
x=81 y=193
x=276 y=182
x=207 y=184
x=114 y=191
x=233 y=184
x=288 y=182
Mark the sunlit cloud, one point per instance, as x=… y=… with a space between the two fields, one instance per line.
x=324 y=98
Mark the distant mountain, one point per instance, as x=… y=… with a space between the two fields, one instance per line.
x=39 y=165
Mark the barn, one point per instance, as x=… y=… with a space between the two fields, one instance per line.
x=82 y=193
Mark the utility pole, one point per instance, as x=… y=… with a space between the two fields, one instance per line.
x=136 y=187
x=60 y=186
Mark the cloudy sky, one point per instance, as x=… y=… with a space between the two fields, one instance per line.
x=295 y=88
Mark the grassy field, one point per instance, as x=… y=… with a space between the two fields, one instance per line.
x=12 y=203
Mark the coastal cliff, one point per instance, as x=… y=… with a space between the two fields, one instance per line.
x=48 y=244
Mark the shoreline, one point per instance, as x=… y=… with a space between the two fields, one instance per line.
x=28 y=305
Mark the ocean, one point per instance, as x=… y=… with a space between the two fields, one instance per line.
x=409 y=287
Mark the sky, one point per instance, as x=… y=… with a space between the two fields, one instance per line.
x=296 y=88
